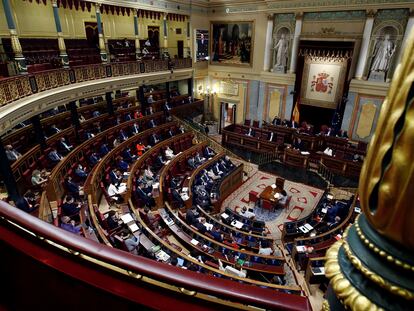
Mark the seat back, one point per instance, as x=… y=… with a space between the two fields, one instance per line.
x=280 y=182
x=255 y=123
x=247 y=122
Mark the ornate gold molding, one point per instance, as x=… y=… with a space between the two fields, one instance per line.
x=325 y=306
x=343 y=289
x=377 y=279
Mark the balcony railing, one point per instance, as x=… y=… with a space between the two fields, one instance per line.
x=15 y=88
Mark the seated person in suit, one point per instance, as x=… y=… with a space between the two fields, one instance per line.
x=154 y=139
x=150 y=99
x=73 y=188
x=298 y=144
x=104 y=149
x=276 y=121
x=200 y=225
x=115 y=176
x=337 y=221
x=116 y=191
x=89 y=135
x=216 y=169
x=96 y=113
x=54 y=130
x=112 y=220
x=217 y=234
x=81 y=172
x=128 y=156
x=292 y=124
x=144 y=196
x=175 y=183
x=181 y=130
x=202 y=198
x=159 y=162
x=38 y=178
x=166 y=107
x=149 y=111
x=135 y=128
x=123 y=166
x=250 y=132
x=116 y=142
x=11 y=153
x=222 y=166
x=54 y=156
x=191 y=216
x=70 y=207
x=177 y=198
x=208 y=152
x=70 y=225
x=131 y=241
x=213 y=176
x=282 y=199
x=169 y=134
x=94 y=158
x=191 y=163
x=122 y=135
x=228 y=163
x=27 y=202
x=246 y=213
x=151 y=123
x=198 y=159
x=128 y=117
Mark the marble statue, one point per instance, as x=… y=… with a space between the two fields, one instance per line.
x=383 y=52
x=281 y=49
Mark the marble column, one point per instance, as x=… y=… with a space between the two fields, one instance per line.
x=165 y=32
x=103 y=53
x=295 y=43
x=136 y=32
x=61 y=42
x=19 y=59
x=408 y=28
x=363 y=54
x=269 y=43
x=7 y=175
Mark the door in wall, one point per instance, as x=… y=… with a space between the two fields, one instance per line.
x=92 y=34
x=180 y=48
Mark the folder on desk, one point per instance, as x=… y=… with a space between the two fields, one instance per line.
x=324 y=210
x=305 y=153
x=303 y=229
x=308 y=226
x=224 y=215
x=194 y=242
x=133 y=227
x=126 y=218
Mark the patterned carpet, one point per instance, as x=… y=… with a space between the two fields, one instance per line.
x=304 y=200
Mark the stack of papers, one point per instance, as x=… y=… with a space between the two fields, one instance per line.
x=184 y=196
x=277 y=195
x=303 y=229
x=185 y=189
x=237 y=224
x=161 y=255
x=304 y=153
x=329 y=196
x=224 y=216
x=126 y=218
x=324 y=210
x=308 y=226
x=208 y=226
x=194 y=242
x=273 y=186
x=155 y=185
x=300 y=248
x=357 y=210
x=133 y=227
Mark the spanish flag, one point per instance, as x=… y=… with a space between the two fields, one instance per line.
x=295 y=115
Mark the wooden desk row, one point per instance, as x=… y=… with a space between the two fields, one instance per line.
x=81 y=153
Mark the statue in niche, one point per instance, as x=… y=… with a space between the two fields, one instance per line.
x=381 y=58
x=281 y=50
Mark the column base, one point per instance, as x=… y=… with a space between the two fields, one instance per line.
x=369 y=272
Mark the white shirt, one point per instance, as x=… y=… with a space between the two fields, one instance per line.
x=271 y=136
x=169 y=153
x=265 y=251
x=282 y=199
x=113 y=190
x=328 y=151
x=247 y=214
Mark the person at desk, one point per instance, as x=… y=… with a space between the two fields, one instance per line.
x=198 y=160
x=236 y=271
x=123 y=166
x=169 y=153
x=149 y=176
x=54 y=130
x=159 y=162
x=167 y=107
x=177 y=198
x=135 y=128
x=154 y=139
x=27 y=202
x=208 y=152
x=37 y=178
x=54 y=156
x=298 y=144
x=116 y=192
x=141 y=148
x=191 y=216
x=122 y=135
x=145 y=197
x=73 y=188
x=128 y=156
x=70 y=225
x=70 y=207
x=169 y=134
x=181 y=130
x=265 y=248
x=151 y=123
x=11 y=153
x=282 y=199
x=104 y=149
x=337 y=221
x=137 y=114
x=217 y=234
x=216 y=169
x=246 y=213
x=81 y=172
x=191 y=163
x=202 y=199
x=115 y=176
x=149 y=111
x=228 y=162
x=94 y=158
x=131 y=241
x=292 y=124
x=276 y=121
x=150 y=99
x=250 y=132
